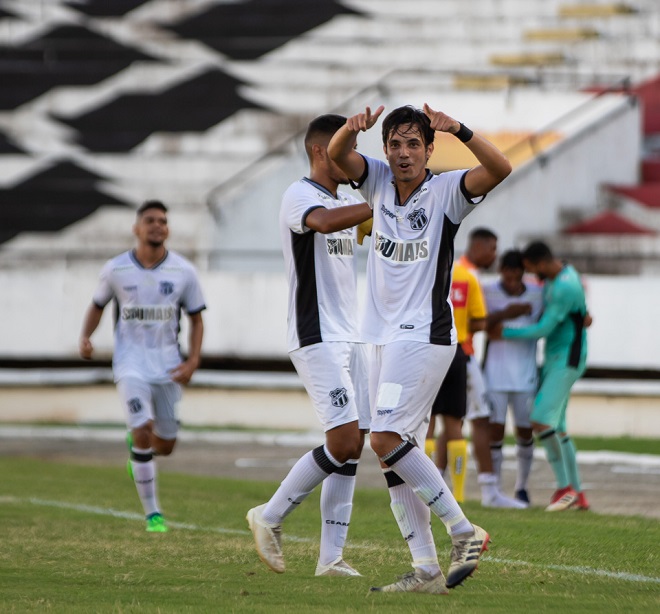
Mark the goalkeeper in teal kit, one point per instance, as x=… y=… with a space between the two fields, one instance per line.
x=563 y=327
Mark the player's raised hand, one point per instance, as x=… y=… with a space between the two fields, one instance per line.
x=364 y=121
x=441 y=122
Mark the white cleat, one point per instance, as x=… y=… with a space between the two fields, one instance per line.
x=267 y=538
x=465 y=554
x=418 y=581
x=338 y=567
x=502 y=501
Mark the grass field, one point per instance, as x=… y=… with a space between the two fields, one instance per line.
x=73 y=540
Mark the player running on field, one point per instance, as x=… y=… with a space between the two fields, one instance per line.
x=408 y=318
x=149 y=285
x=563 y=326
x=510 y=367
x=318 y=240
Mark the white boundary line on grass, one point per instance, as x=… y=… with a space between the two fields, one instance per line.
x=91 y=509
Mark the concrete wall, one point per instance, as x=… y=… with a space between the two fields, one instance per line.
x=591 y=413
x=42 y=310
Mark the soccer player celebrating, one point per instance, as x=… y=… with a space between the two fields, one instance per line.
x=409 y=319
x=149 y=285
x=317 y=226
x=563 y=326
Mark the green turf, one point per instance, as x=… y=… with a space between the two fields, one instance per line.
x=55 y=558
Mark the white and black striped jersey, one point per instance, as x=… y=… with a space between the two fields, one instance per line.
x=411 y=256
x=321 y=269
x=148 y=305
x=510 y=364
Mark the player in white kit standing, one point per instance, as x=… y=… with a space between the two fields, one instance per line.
x=149 y=285
x=317 y=226
x=409 y=320
x=510 y=369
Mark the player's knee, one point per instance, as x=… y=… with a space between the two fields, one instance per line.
x=142 y=436
x=163 y=447
x=346 y=449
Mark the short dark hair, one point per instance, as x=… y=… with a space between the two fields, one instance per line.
x=408 y=116
x=537 y=251
x=151 y=204
x=482 y=233
x=323 y=125
x=512 y=259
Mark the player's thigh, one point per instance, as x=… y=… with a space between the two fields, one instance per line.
x=451 y=399
x=359 y=371
x=136 y=400
x=166 y=399
x=521 y=406
x=477 y=401
x=552 y=397
x=324 y=369
x=408 y=380
x=499 y=404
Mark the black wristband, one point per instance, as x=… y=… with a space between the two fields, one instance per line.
x=464 y=133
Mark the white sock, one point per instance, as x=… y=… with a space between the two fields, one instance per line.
x=304 y=476
x=336 y=507
x=488 y=483
x=525 y=456
x=497 y=455
x=414 y=519
x=419 y=472
x=144 y=476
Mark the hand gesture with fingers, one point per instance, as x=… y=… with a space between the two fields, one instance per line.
x=364 y=121
x=440 y=121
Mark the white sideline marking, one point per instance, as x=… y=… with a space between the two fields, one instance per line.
x=91 y=509
x=579 y=569
x=286 y=439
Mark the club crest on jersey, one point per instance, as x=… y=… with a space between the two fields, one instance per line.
x=166 y=287
x=418 y=219
x=134 y=405
x=338 y=397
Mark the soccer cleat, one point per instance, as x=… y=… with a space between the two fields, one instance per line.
x=562 y=500
x=338 y=567
x=156 y=524
x=465 y=555
x=502 y=501
x=267 y=538
x=522 y=495
x=559 y=493
x=418 y=581
x=581 y=503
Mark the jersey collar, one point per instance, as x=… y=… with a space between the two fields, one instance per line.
x=318 y=186
x=429 y=175
x=137 y=263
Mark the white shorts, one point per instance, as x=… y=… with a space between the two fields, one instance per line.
x=158 y=402
x=334 y=374
x=477 y=399
x=521 y=404
x=404 y=379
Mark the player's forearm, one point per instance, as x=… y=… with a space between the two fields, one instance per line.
x=535 y=331
x=341 y=150
x=195 y=338
x=332 y=220
x=91 y=321
x=493 y=167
